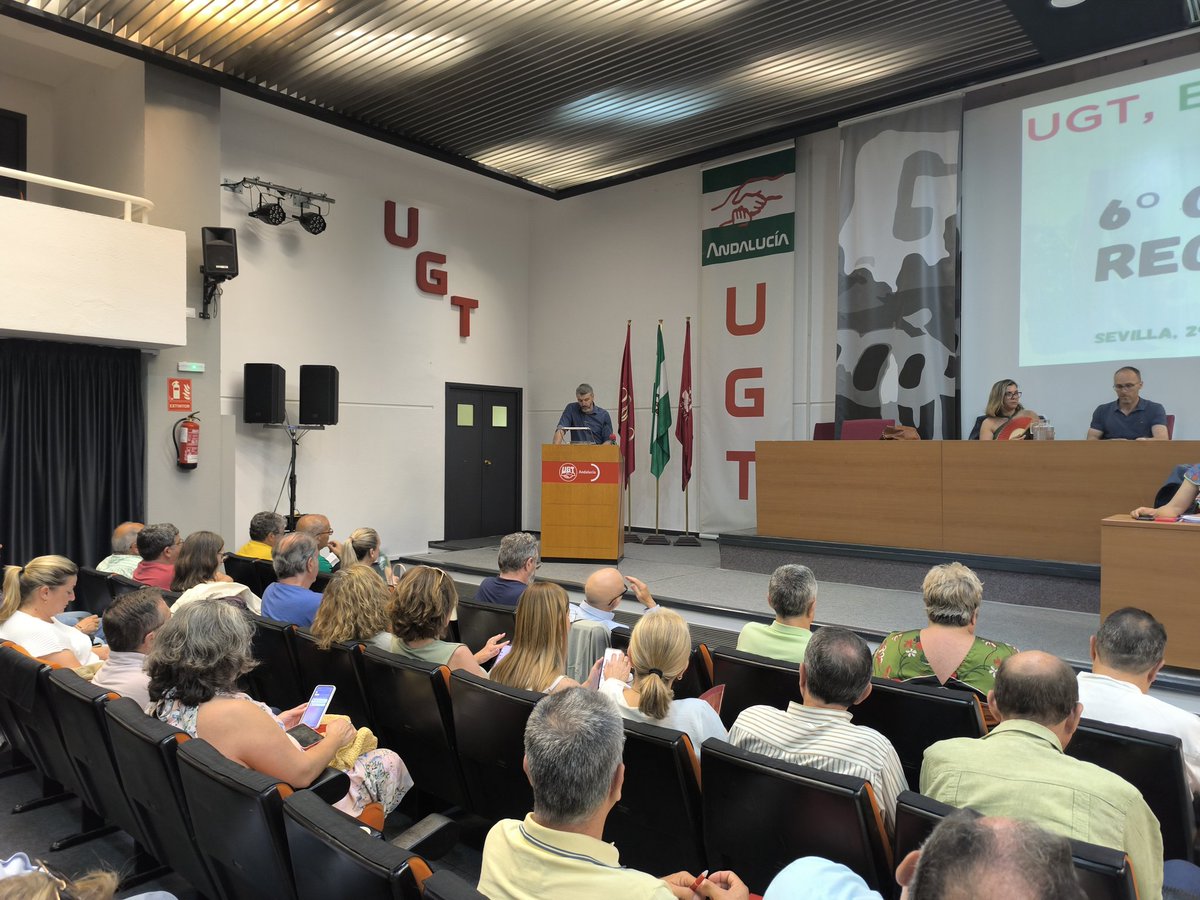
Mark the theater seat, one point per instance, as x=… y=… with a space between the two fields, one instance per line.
x=119 y=585
x=264 y=574
x=340 y=666
x=445 y=885
x=241 y=569
x=479 y=621
x=92 y=592
x=752 y=681
x=275 y=681
x=762 y=813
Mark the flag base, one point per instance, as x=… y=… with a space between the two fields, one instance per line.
x=687 y=540
x=656 y=538
x=632 y=538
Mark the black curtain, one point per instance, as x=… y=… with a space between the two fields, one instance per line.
x=72 y=448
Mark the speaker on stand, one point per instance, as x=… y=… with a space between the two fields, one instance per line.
x=318 y=395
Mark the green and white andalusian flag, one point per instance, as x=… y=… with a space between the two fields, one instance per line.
x=660 y=414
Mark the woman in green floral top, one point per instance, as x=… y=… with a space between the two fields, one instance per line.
x=947 y=647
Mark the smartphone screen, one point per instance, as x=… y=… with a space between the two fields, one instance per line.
x=318 y=705
x=304 y=735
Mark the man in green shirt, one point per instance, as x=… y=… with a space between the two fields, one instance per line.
x=792 y=593
x=1020 y=770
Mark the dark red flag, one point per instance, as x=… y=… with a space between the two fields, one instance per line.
x=625 y=429
x=683 y=421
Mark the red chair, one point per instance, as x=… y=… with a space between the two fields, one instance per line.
x=1170 y=427
x=864 y=429
x=823 y=431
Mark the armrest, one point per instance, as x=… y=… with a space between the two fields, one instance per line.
x=432 y=837
x=331 y=785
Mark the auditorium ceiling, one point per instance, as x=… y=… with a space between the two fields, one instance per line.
x=565 y=96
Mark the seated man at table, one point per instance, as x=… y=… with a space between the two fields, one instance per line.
x=792 y=593
x=1130 y=417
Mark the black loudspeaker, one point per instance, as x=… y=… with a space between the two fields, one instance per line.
x=220 y=252
x=318 y=395
x=264 y=393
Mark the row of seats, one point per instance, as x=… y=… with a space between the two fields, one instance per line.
x=95 y=590
x=233 y=833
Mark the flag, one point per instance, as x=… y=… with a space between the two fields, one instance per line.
x=683 y=423
x=625 y=413
x=660 y=413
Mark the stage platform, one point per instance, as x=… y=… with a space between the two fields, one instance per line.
x=722 y=584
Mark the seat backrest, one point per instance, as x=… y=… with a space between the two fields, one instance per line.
x=332 y=857
x=864 y=429
x=1103 y=873
x=411 y=702
x=119 y=584
x=657 y=822
x=92 y=592
x=1170 y=426
x=445 y=885
x=340 y=666
x=761 y=813
x=12 y=713
x=237 y=817
x=241 y=569
x=79 y=706
x=586 y=643
x=264 y=574
x=752 y=680
x=24 y=681
x=489 y=728
x=913 y=717
x=824 y=431
x=322 y=582
x=145 y=752
x=1152 y=763
x=275 y=680
x=694 y=681
x=479 y=621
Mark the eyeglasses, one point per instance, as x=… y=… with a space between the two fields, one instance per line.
x=618 y=597
x=1012 y=395
x=1124 y=387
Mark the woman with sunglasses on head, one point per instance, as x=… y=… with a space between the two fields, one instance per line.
x=420 y=611
x=1003 y=407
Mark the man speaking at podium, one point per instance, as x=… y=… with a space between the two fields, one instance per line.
x=584 y=413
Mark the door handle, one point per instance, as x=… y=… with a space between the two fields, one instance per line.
x=487 y=462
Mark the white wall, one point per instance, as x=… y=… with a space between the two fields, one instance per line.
x=348 y=298
x=34 y=101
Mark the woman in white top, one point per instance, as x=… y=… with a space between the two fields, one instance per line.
x=658 y=655
x=200 y=574
x=33 y=595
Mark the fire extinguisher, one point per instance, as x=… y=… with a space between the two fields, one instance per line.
x=186 y=434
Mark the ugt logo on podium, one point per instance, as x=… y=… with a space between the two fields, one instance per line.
x=568 y=472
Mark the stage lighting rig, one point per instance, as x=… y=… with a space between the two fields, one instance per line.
x=271 y=198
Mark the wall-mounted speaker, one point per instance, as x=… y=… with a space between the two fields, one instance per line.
x=318 y=395
x=220 y=252
x=264 y=383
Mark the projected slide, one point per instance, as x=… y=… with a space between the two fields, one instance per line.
x=1110 y=225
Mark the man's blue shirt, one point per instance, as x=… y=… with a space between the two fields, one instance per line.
x=290 y=603
x=1115 y=425
x=597 y=422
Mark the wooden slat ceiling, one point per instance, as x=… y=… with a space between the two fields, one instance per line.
x=564 y=94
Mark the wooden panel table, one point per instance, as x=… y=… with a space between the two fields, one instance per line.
x=1152 y=565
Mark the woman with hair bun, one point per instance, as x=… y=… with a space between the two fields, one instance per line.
x=33 y=595
x=658 y=656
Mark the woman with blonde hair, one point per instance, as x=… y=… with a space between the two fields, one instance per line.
x=1003 y=406
x=362 y=549
x=33 y=595
x=658 y=656
x=353 y=608
x=539 y=646
x=420 y=611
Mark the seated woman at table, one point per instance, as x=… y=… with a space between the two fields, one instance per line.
x=33 y=595
x=419 y=614
x=1184 y=501
x=947 y=647
x=1003 y=406
x=197 y=658
x=538 y=661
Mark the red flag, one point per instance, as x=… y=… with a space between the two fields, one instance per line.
x=625 y=429
x=683 y=421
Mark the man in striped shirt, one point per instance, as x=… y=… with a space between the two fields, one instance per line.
x=835 y=675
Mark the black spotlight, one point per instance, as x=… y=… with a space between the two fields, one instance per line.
x=271 y=213
x=312 y=222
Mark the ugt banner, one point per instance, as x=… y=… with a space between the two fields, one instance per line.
x=748 y=212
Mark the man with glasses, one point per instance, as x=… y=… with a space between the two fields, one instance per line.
x=318 y=528
x=159 y=547
x=517 y=560
x=603 y=593
x=1130 y=417
x=266 y=528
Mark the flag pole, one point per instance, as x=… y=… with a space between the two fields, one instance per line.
x=625 y=417
x=630 y=537
x=687 y=539
x=684 y=434
x=656 y=538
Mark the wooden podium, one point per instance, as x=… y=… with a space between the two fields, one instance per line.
x=581 y=502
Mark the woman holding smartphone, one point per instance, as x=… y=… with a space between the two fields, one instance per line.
x=420 y=611
x=538 y=661
x=197 y=658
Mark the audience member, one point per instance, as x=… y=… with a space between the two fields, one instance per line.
x=573 y=747
x=792 y=593
x=1127 y=655
x=33 y=595
x=538 y=659
x=131 y=622
x=815 y=878
x=968 y=857
x=194 y=666
x=420 y=612
x=518 y=559
x=659 y=651
x=289 y=598
x=1130 y=417
x=1182 y=503
x=602 y=594
x=266 y=528
x=1019 y=769
x=947 y=647
x=362 y=549
x=318 y=527
x=201 y=559
x=124 y=557
x=353 y=608
x=835 y=675
x=159 y=546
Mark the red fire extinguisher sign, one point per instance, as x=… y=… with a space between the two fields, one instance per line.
x=179 y=395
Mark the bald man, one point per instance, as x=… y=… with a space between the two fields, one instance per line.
x=1019 y=769
x=317 y=526
x=124 y=557
x=603 y=593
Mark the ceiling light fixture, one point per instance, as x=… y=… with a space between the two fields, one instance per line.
x=269 y=213
x=271 y=198
x=312 y=222
x=1065 y=4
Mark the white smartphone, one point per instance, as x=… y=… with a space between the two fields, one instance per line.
x=610 y=654
x=318 y=705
